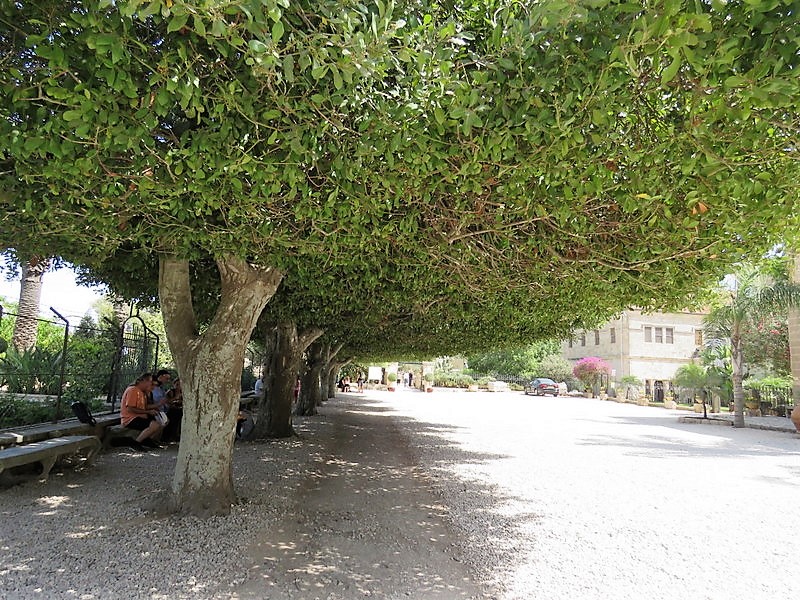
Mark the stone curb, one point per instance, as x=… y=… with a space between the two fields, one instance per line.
x=729 y=423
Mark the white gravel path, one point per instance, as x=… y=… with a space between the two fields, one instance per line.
x=549 y=499
x=614 y=501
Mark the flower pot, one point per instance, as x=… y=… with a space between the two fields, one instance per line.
x=429 y=390
x=795 y=417
x=390 y=388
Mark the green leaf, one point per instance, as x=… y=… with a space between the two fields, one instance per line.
x=671 y=71
x=277 y=31
x=177 y=22
x=257 y=46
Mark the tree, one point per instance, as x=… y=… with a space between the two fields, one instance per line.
x=30 y=292
x=555 y=367
x=513 y=361
x=692 y=377
x=538 y=156
x=590 y=371
x=753 y=297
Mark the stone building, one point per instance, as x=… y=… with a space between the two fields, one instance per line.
x=650 y=346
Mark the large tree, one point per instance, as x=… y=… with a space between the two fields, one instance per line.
x=565 y=157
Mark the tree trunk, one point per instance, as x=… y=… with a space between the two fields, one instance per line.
x=210 y=366
x=275 y=407
x=737 y=367
x=329 y=372
x=30 y=293
x=311 y=392
x=330 y=377
x=794 y=343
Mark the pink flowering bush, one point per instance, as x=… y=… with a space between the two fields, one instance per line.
x=589 y=370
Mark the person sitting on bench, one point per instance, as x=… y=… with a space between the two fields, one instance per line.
x=138 y=414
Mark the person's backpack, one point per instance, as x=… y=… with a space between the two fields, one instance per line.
x=83 y=413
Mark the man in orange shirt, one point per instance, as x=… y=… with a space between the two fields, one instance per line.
x=137 y=413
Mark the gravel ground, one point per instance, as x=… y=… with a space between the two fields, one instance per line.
x=613 y=501
x=592 y=500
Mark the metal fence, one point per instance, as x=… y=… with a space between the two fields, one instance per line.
x=772 y=400
x=88 y=362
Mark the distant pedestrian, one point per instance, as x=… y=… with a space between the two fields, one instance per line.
x=410 y=379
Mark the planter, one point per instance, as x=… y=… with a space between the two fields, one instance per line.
x=698 y=408
x=671 y=404
x=587 y=395
x=472 y=388
x=390 y=388
x=795 y=417
x=429 y=390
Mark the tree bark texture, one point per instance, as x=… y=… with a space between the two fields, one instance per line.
x=30 y=293
x=331 y=372
x=311 y=394
x=275 y=407
x=737 y=364
x=210 y=366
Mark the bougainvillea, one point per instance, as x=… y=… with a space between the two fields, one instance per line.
x=590 y=369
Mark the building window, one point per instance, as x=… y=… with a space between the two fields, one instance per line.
x=596 y=337
x=648 y=334
x=659 y=335
x=613 y=333
x=583 y=339
x=670 y=335
x=698 y=337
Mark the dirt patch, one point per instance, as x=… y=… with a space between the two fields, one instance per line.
x=365 y=522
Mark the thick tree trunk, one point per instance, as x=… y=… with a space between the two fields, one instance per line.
x=311 y=393
x=275 y=408
x=30 y=293
x=210 y=366
x=737 y=366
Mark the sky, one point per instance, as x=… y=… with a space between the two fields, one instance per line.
x=60 y=291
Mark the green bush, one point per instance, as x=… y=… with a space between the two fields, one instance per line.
x=16 y=411
x=34 y=371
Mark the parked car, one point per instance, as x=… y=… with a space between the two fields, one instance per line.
x=541 y=386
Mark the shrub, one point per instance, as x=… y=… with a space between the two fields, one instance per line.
x=590 y=369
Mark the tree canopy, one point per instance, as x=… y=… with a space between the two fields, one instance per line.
x=578 y=154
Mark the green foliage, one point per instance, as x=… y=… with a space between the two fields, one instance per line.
x=447 y=378
x=516 y=361
x=34 y=371
x=556 y=367
x=16 y=411
x=89 y=359
x=261 y=132
x=770 y=381
x=692 y=377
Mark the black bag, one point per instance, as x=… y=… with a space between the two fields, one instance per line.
x=83 y=413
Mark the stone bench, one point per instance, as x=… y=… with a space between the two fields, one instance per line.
x=47 y=452
x=117 y=432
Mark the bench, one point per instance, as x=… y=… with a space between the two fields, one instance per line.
x=47 y=452
x=117 y=432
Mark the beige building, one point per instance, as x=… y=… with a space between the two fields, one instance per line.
x=650 y=346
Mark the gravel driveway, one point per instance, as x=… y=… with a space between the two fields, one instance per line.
x=451 y=495
x=577 y=498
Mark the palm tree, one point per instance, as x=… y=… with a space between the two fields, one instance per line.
x=26 y=325
x=695 y=378
x=754 y=296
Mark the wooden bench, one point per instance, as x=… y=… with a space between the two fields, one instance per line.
x=47 y=452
